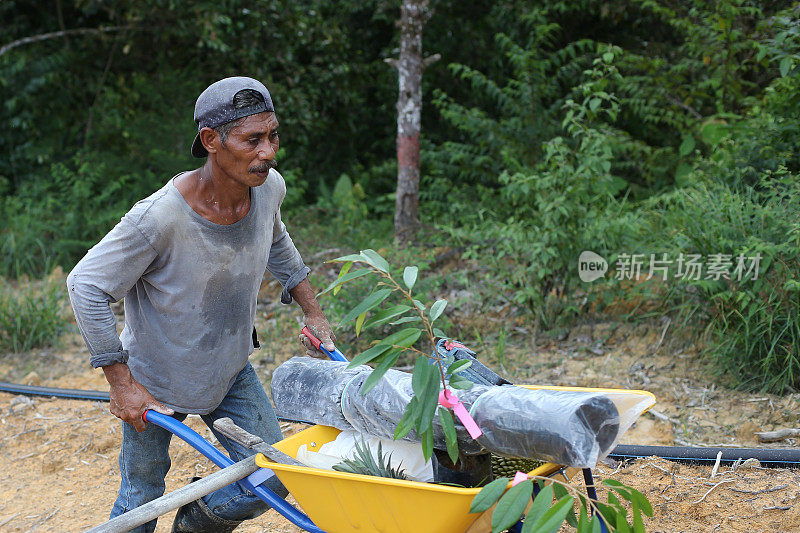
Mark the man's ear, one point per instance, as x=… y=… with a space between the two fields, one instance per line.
x=210 y=139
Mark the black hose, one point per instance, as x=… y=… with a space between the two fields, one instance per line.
x=77 y=394
x=768 y=457
x=72 y=394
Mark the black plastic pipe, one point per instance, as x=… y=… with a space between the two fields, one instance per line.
x=72 y=394
x=77 y=394
x=768 y=457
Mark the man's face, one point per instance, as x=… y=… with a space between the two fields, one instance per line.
x=248 y=153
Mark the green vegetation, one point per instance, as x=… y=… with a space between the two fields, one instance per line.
x=629 y=129
x=31 y=315
x=548 y=515
x=418 y=319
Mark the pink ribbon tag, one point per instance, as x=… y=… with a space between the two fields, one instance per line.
x=519 y=477
x=448 y=399
x=449 y=345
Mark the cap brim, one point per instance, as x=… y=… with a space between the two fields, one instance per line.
x=198 y=150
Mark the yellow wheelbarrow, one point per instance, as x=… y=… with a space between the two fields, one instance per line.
x=340 y=502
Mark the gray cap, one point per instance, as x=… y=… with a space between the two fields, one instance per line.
x=214 y=107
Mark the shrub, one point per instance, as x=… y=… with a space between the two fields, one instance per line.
x=533 y=228
x=31 y=315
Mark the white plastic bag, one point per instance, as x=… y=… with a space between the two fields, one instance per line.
x=404 y=455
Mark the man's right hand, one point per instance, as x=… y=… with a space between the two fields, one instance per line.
x=129 y=398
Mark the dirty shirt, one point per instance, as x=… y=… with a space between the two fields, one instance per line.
x=190 y=289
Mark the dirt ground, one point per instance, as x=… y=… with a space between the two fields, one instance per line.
x=58 y=458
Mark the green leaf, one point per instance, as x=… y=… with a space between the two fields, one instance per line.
x=420 y=305
x=458 y=382
x=622 y=524
x=439 y=333
x=682 y=174
x=488 y=495
x=410 y=276
x=405 y=337
x=641 y=500
x=449 y=428
x=406 y=320
x=373 y=300
x=511 y=506
x=351 y=257
x=437 y=309
x=406 y=423
x=552 y=519
x=638 y=524
x=369 y=354
x=373 y=258
x=714 y=132
x=375 y=376
x=427 y=443
x=571 y=520
x=608 y=57
x=540 y=504
x=583 y=521
x=686 y=146
x=348 y=276
x=786 y=66
x=418 y=375
x=596 y=528
x=594 y=103
x=360 y=322
x=459 y=366
x=386 y=315
x=608 y=512
x=429 y=399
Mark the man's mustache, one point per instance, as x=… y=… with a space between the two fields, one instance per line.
x=266 y=166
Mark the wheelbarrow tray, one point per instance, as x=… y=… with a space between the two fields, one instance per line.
x=340 y=502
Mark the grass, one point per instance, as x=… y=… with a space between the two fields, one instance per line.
x=31 y=315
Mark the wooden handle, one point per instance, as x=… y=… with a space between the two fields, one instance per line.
x=253 y=442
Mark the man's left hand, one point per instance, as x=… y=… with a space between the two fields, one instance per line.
x=322 y=330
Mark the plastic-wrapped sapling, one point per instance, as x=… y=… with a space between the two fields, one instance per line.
x=568 y=427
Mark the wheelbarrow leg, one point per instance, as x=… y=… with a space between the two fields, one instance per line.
x=588 y=479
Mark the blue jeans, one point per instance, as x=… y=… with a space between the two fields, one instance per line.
x=144 y=457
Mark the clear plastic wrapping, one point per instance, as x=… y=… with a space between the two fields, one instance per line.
x=569 y=427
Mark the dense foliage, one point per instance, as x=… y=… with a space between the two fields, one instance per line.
x=549 y=128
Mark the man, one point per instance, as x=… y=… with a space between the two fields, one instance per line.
x=189 y=261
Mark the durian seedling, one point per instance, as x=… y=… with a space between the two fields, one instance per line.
x=363 y=462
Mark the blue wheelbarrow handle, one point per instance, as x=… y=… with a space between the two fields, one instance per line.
x=221 y=460
x=334 y=354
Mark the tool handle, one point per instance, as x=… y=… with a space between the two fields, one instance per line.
x=227 y=427
x=334 y=354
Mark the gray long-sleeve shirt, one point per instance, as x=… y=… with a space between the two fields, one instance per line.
x=190 y=289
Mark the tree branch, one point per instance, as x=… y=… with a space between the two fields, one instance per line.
x=430 y=60
x=392 y=61
x=687 y=107
x=56 y=34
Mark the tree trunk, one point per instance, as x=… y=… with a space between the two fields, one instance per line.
x=413 y=15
